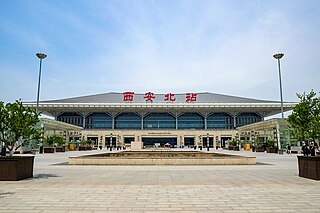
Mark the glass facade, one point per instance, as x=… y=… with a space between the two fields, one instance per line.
x=247 y=118
x=190 y=121
x=162 y=141
x=159 y=121
x=99 y=121
x=127 y=121
x=71 y=118
x=220 y=121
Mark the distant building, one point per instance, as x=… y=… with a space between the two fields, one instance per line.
x=188 y=119
x=274 y=130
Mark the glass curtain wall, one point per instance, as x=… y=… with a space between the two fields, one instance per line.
x=71 y=118
x=190 y=121
x=99 y=121
x=128 y=121
x=247 y=118
x=219 y=121
x=159 y=121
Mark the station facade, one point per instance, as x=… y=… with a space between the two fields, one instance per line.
x=188 y=119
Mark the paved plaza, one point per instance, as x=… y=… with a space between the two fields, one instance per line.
x=272 y=185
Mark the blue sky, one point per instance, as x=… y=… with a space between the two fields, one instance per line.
x=160 y=46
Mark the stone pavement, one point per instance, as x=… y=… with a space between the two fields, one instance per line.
x=272 y=185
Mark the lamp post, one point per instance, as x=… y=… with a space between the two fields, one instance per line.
x=208 y=144
x=40 y=56
x=278 y=56
x=110 y=142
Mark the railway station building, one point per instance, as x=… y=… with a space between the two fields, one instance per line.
x=187 y=119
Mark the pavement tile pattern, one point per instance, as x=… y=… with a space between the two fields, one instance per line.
x=272 y=185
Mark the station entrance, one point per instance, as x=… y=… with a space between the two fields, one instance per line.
x=94 y=140
x=224 y=139
x=108 y=140
x=189 y=142
x=151 y=142
x=204 y=142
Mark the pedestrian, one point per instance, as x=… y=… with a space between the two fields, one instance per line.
x=304 y=149
x=289 y=149
x=312 y=149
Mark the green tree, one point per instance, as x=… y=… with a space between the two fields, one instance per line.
x=17 y=125
x=305 y=118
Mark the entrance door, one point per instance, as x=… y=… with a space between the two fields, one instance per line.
x=94 y=139
x=189 y=142
x=223 y=141
x=128 y=140
x=114 y=142
x=204 y=141
x=150 y=142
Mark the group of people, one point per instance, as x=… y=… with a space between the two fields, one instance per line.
x=309 y=149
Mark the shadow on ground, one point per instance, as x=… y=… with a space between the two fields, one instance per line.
x=259 y=163
x=4 y=194
x=44 y=176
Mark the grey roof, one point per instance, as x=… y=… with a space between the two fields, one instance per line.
x=113 y=97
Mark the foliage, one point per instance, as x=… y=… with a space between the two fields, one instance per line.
x=17 y=125
x=89 y=142
x=233 y=142
x=52 y=140
x=86 y=142
x=305 y=118
x=270 y=143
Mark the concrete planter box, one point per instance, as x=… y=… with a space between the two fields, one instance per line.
x=272 y=150
x=16 y=168
x=309 y=167
x=48 y=150
x=60 y=149
x=235 y=148
x=260 y=149
x=84 y=148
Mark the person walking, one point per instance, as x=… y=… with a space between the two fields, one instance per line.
x=305 y=149
x=312 y=149
x=289 y=149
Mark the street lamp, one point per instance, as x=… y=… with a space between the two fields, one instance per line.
x=208 y=144
x=278 y=56
x=40 y=56
x=110 y=142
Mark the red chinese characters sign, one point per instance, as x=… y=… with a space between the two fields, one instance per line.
x=191 y=97
x=128 y=96
x=169 y=97
x=149 y=96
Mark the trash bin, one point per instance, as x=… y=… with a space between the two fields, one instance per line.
x=280 y=151
x=247 y=147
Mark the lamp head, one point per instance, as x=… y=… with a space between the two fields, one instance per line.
x=41 y=55
x=278 y=55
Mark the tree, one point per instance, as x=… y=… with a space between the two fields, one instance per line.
x=17 y=125
x=305 y=118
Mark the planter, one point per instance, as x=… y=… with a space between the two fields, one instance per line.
x=84 y=148
x=48 y=150
x=61 y=149
x=309 y=167
x=260 y=149
x=272 y=150
x=234 y=148
x=16 y=168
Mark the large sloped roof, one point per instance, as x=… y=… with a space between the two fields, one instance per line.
x=113 y=97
